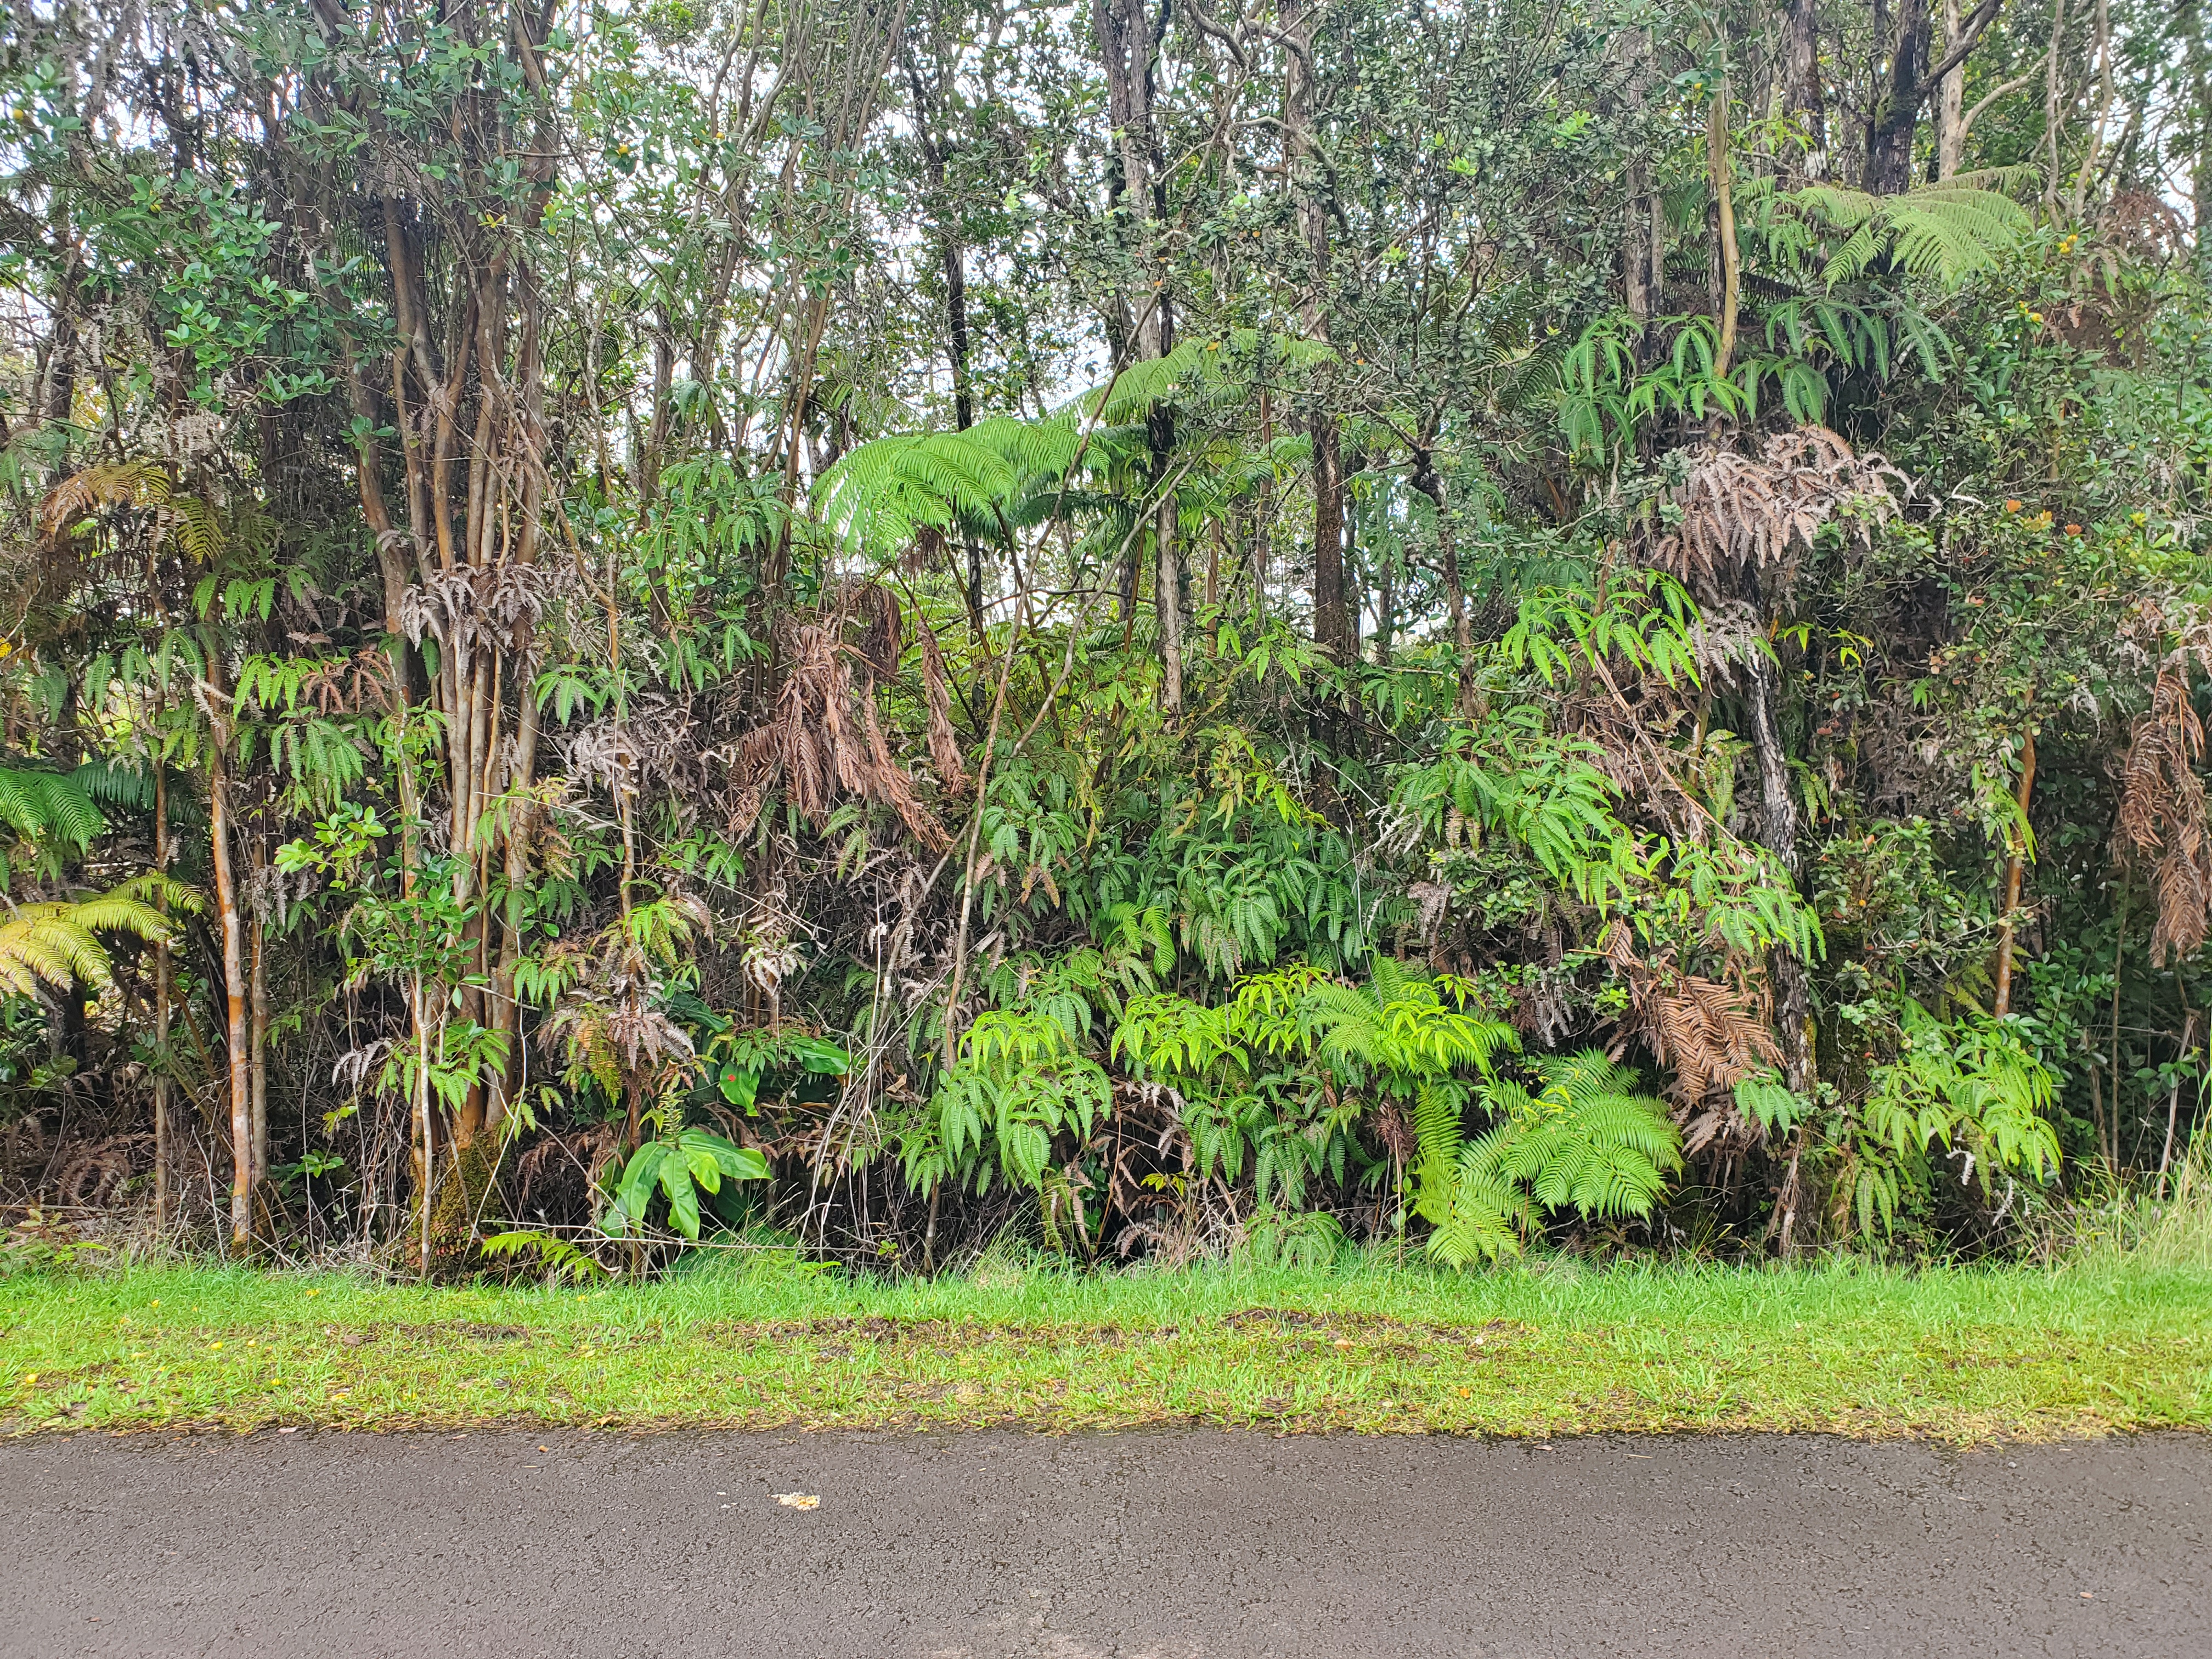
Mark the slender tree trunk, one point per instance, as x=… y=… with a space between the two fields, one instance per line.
x=163 y=1156
x=1431 y=483
x=952 y=263
x=258 y=1045
x=1302 y=164
x=506 y=1009
x=1777 y=833
x=2015 y=874
x=1168 y=598
x=2119 y=958
x=424 y=1123
x=2054 y=140
x=951 y=255
x=656 y=439
x=2197 y=55
x=2173 y=1098
x=1727 y=258
x=1265 y=512
x=1126 y=39
x=1642 y=274
x=1802 y=97
x=2093 y=153
x=1332 y=625
x=1950 y=102
x=231 y=926
x=2097 y=1103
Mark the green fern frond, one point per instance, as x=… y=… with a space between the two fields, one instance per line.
x=200 y=529
x=51 y=812
x=1946 y=231
x=116 y=783
x=879 y=494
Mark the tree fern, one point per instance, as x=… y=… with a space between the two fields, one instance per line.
x=1947 y=231
x=55 y=943
x=52 y=817
x=879 y=495
x=1221 y=366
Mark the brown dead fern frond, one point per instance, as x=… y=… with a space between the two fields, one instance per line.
x=937 y=693
x=826 y=743
x=1761 y=512
x=91 y=1174
x=2163 y=816
x=126 y=483
x=877 y=609
x=888 y=783
x=1710 y=1036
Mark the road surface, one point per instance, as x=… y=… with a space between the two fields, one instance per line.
x=1164 y=1544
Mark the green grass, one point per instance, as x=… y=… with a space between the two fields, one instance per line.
x=1963 y=1355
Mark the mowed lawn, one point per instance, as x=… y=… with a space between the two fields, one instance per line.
x=1962 y=1355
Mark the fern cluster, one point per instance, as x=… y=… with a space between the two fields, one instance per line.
x=1583 y=1137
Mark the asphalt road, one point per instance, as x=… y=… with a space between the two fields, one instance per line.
x=1168 y=1545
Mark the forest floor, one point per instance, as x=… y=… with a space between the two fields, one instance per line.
x=1964 y=1356
x=1153 y=1543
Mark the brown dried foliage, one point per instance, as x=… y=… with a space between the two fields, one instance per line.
x=1761 y=512
x=1710 y=1035
x=937 y=691
x=2163 y=816
x=822 y=746
x=129 y=484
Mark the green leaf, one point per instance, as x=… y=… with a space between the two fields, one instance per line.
x=635 y=1191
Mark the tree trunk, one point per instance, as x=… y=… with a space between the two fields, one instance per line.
x=2197 y=49
x=1777 y=833
x=163 y=1156
x=1264 y=513
x=2119 y=962
x=1126 y=39
x=1727 y=258
x=1332 y=625
x=257 y=1047
x=2054 y=141
x=1802 y=97
x=2173 y=1096
x=231 y=928
x=1431 y=483
x=1302 y=165
x=1167 y=594
x=1895 y=117
x=951 y=255
x=2094 y=151
x=2001 y=1004
x=1643 y=244
x=425 y=1134
x=1950 y=102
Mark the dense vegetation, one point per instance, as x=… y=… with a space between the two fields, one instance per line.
x=1577 y=623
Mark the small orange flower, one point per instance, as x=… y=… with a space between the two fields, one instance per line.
x=2012 y=507
x=2073 y=529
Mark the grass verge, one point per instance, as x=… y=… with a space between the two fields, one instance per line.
x=1964 y=1356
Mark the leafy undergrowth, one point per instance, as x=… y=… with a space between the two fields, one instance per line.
x=1962 y=1355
